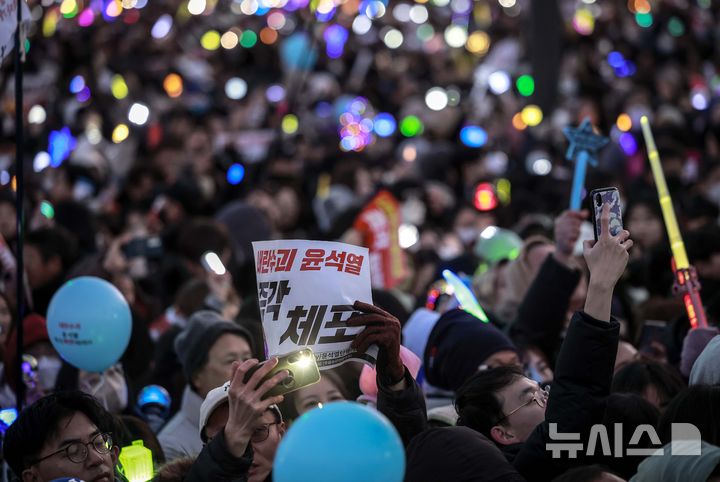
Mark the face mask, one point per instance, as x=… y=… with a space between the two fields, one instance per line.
x=47 y=371
x=467 y=235
x=447 y=252
x=111 y=391
x=713 y=194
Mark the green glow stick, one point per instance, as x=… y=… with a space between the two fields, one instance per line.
x=467 y=299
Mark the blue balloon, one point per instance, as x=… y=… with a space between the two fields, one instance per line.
x=89 y=323
x=340 y=441
x=297 y=52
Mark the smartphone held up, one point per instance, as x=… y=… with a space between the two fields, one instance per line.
x=611 y=197
x=302 y=369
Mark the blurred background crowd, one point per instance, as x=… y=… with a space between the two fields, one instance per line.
x=160 y=130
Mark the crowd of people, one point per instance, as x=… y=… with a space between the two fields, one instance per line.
x=153 y=137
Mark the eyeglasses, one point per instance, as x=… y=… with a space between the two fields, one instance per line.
x=262 y=433
x=77 y=452
x=540 y=397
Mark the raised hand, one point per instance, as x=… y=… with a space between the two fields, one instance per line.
x=246 y=403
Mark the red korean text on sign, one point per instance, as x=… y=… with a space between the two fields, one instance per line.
x=275 y=260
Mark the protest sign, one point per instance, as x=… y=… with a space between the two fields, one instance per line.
x=8 y=24
x=379 y=224
x=306 y=290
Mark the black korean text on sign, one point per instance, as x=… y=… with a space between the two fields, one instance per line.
x=306 y=323
x=275 y=260
x=271 y=295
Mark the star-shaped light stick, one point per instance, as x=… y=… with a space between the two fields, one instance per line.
x=584 y=144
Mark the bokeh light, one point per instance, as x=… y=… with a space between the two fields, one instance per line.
x=229 y=40
x=290 y=124
x=473 y=136
x=210 y=40
x=384 y=124
x=456 y=36
x=173 y=85
x=411 y=126
x=138 y=113
x=532 y=115
x=499 y=82
x=236 y=88
x=436 y=98
x=478 y=43
x=118 y=87
x=525 y=85
x=120 y=133
x=235 y=174
x=624 y=122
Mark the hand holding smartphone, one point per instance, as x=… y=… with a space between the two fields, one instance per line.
x=302 y=369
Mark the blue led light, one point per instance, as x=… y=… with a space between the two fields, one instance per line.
x=385 y=124
x=235 y=174
x=473 y=136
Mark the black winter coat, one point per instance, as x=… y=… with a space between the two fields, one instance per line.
x=583 y=375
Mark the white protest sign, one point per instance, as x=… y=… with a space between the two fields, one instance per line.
x=8 y=24
x=306 y=290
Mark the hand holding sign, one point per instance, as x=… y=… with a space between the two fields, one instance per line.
x=306 y=291
x=381 y=329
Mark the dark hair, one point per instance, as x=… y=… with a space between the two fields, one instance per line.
x=635 y=377
x=476 y=401
x=41 y=421
x=588 y=473
x=631 y=411
x=200 y=236
x=55 y=241
x=698 y=405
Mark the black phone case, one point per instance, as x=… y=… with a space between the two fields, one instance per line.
x=608 y=195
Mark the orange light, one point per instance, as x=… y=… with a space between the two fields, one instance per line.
x=518 y=122
x=485 y=198
x=692 y=316
x=268 y=36
x=173 y=85
x=624 y=122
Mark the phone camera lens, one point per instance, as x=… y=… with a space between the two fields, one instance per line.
x=288 y=381
x=598 y=200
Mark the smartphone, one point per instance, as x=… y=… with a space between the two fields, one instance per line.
x=611 y=196
x=652 y=332
x=301 y=366
x=150 y=248
x=212 y=262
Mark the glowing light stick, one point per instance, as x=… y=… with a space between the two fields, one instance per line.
x=686 y=280
x=584 y=144
x=137 y=462
x=467 y=299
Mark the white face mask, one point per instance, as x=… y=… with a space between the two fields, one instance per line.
x=713 y=194
x=467 y=235
x=111 y=392
x=47 y=371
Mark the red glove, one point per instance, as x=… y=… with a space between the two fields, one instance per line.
x=381 y=329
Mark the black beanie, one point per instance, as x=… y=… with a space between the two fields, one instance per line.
x=458 y=344
x=193 y=344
